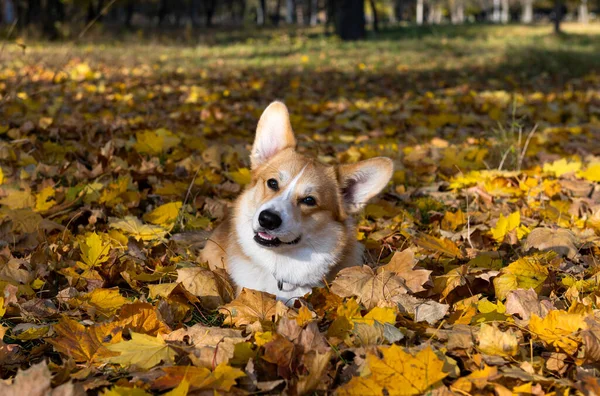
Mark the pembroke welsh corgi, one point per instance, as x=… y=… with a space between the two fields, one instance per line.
x=291 y=229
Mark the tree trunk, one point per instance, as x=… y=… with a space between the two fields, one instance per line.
x=209 y=11
x=557 y=15
x=398 y=10
x=375 y=18
x=242 y=10
x=505 y=16
x=419 y=16
x=314 y=12
x=162 y=11
x=99 y=9
x=457 y=11
x=290 y=11
x=261 y=13
x=350 y=19
x=129 y=10
x=583 y=15
x=527 y=14
x=496 y=11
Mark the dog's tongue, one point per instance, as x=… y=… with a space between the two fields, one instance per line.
x=266 y=236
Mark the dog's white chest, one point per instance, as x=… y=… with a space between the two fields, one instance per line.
x=251 y=276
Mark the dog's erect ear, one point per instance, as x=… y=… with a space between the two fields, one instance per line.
x=273 y=134
x=362 y=181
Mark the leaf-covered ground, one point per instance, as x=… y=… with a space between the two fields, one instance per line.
x=483 y=252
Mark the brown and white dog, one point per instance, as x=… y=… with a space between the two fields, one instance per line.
x=292 y=228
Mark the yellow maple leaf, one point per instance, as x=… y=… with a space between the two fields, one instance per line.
x=181 y=390
x=493 y=341
x=111 y=194
x=101 y=301
x=143 y=351
x=505 y=225
x=561 y=167
x=155 y=142
x=591 y=173
x=140 y=231
x=398 y=373
x=261 y=338
x=379 y=314
x=559 y=329
x=242 y=176
x=165 y=215
x=525 y=273
x=221 y=379
x=94 y=251
x=251 y=306
x=440 y=246
x=44 y=199
x=349 y=309
x=17 y=199
x=124 y=391
x=85 y=344
x=305 y=315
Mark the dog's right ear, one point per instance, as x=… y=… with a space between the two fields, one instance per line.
x=273 y=134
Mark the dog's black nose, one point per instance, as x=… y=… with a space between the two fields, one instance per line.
x=269 y=220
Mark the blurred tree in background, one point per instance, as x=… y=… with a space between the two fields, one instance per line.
x=349 y=18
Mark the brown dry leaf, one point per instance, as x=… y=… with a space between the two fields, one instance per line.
x=35 y=381
x=422 y=310
x=493 y=341
x=369 y=287
x=85 y=344
x=402 y=264
x=221 y=379
x=213 y=345
x=591 y=340
x=525 y=303
x=316 y=363
x=251 y=306
x=142 y=318
x=212 y=287
x=279 y=351
x=559 y=240
x=438 y=246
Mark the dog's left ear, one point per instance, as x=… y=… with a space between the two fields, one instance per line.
x=273 y=134
x=362 y=181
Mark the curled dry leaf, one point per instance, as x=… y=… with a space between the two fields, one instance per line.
x=252 y=306
x=493 y=341
x=559 y=240
x=213 y=288
x=385 y=284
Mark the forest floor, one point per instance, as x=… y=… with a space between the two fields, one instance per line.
x=483 y=252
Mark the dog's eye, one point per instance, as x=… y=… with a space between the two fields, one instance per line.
x=273 y=185
x=309 y=201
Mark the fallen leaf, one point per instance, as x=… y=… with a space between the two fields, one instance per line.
x=559 y=240
x=142 y=351
x=398 y=373
x=493 y=341
x=559 y=329
x=251 y=306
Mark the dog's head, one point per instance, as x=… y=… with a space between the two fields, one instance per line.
x=294 y=200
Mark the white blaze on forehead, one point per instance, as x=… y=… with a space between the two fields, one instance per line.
x=287 y=193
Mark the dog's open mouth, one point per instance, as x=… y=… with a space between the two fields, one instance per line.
x=265 y=239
